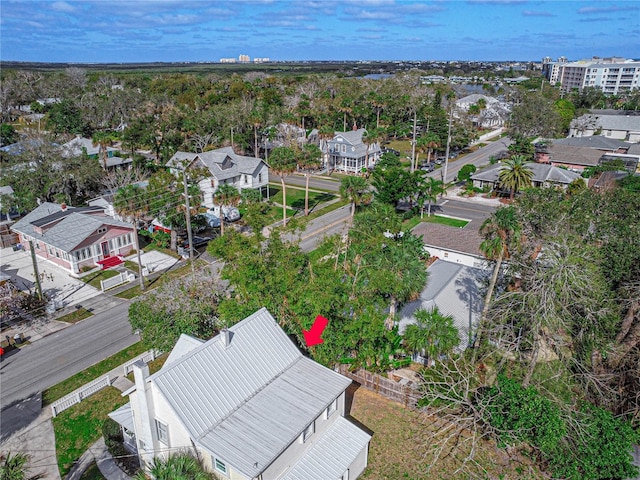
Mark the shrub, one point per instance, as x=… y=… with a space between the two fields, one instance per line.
x=466 y=171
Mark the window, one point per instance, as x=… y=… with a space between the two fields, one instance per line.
x=344 y=148
x=220 y=466
x=260 y=177
x=162 y=430
x=102 y=229
x=245 y=178
x=119 y=239
x=331 y=408
x=308 y=432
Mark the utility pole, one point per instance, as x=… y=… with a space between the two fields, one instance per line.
x=413 y=143
x=35 y=269
x=189 y=235
x=446 y=154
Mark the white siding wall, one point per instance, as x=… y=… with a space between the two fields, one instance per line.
x=293 y=453
x=455 y=257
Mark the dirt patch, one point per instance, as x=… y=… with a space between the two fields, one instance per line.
x=402 y=440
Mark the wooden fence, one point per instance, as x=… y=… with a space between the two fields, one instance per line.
x=77 y=395
x=401 y=392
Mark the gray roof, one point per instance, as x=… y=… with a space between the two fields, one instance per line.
x=465 y=240
x=353 y=138
x=74 y=226
x=6 y=190
x=456 y=290
x=332 y=454
x=222 y=163
x=124 y=416
x=184 y=345
x=74 y=147
x=575 y=155
x=542 y=173
x=630 y=123
x=598 y=142
x=248 y=401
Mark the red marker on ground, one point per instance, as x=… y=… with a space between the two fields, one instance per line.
x=313 y=335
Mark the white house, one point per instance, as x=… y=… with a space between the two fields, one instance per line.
x=249 y=404
x=494 y=115
x=225 y=167
x=347 y=152
x=619 y=124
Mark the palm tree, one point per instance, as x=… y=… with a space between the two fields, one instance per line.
x=428 y=189
x=14 y=467
x=356 y=190
x=103 y=140
x=283 y=163
x=131 y=203
x=309 y=161
x=501 y=230
x=179 y=466
x=433 y=333
x=226 y=196
x=515 y=175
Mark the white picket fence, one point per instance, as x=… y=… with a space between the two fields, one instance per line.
x=146 y=357
x=119 y=279
x=77 y=395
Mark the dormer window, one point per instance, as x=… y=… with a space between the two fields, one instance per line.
x=227 y=163
x=308 y=432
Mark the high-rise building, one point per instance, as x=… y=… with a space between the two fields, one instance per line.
x=243 y=58
x=613 y=75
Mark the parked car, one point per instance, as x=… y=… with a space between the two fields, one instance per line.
x=428 y=166
x=440 y=160
x=230 y=214
x=198 y=241
x=390 y=150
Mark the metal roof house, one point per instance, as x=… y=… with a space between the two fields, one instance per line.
x=348 y=153
x=225 y=167
x=74 y=238
x=249 y=404
x=457 y=291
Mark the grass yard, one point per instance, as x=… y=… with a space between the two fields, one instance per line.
x=399 y=448
x=73 y=317
x=154 y=365
x=89 y=374
x=295 y=197
x=452 y=222
x=78 y=427
x=94 y=278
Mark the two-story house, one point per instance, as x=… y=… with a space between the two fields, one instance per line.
x=75 y=238
x=348 y=152
x=224 y=167
x=249 y=404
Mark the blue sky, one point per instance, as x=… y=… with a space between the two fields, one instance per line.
x=205 y=30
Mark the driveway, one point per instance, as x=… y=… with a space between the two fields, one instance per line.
x=57 y=285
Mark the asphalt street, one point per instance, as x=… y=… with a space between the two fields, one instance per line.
x=317 y=183
x=62 y=354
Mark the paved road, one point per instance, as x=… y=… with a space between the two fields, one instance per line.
x=329 y=183
x=463 y=209
x=64 y=353
x=479 y=158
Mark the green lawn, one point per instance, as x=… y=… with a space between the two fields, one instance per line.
x=452 y=222
x=73 y=317
x=78 y=427
x=295 y=197
x=94 y=278
x=89 y=374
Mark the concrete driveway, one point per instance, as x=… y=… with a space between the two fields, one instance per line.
x=57 y=285
x=154 y=261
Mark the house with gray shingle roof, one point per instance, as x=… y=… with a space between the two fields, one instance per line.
x=456 y=290
x=224 y=167
x=544 y=175
x=621 y=125
x=249 y=404
x=349 y=153
x=74 y=238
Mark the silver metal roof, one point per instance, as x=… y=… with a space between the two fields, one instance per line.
x=332 y=454
x=456 y=290
x=124 y=416
x=247 y=401
x=184 y=345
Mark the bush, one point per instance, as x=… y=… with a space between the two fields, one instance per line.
x=466 y=171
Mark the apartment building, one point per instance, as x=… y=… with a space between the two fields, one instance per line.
x=611 y=75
